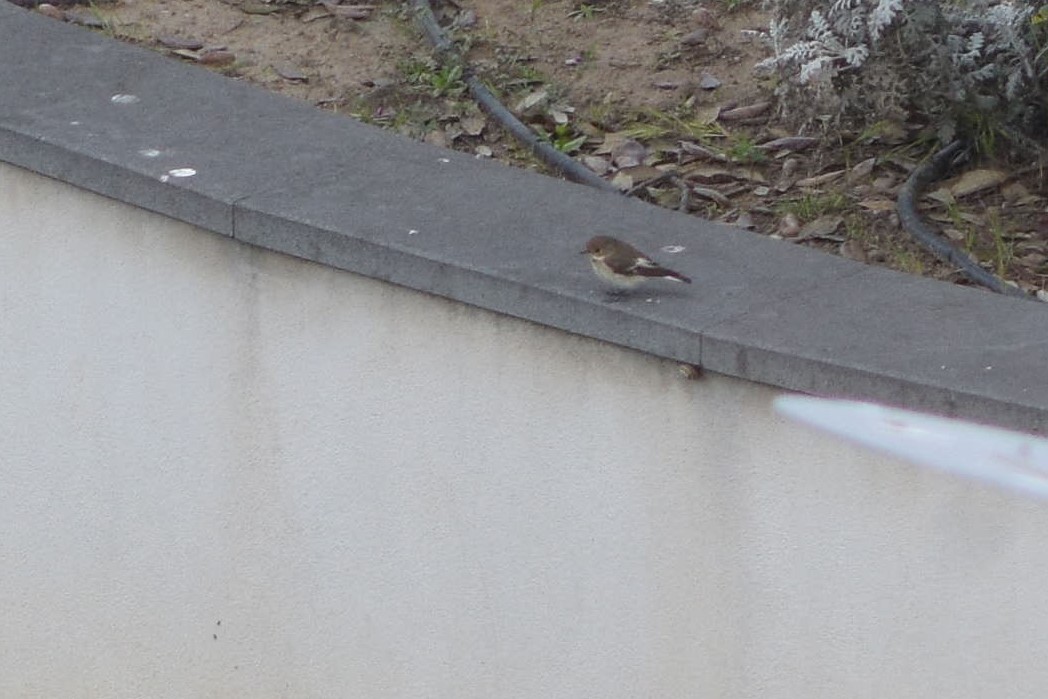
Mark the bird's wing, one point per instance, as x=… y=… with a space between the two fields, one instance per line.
x=621 y=264
x=647 y=267
x=642 y=262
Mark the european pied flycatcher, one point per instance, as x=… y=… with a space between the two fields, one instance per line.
x=624 y=266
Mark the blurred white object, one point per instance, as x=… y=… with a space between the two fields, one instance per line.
x=1012 y=460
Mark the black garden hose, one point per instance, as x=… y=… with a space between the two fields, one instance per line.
x=912 y=223
x=560 y=162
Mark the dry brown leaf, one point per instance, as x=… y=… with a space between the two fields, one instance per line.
x=708 y=173
x=751 y=174
x=218 y=57
x=612 y=140
x=85 y=18
x=823 y=227
x=622 y=181
x=976 y=181
x=474 y=125
x=744 y=220
x=259 y=8
x=314 y=13
x=941 y=195
x=559 y=116
x=692 y=148
x=628 y=153
x=358 y=12
x=819 y=180
x=709 y=82
x=466 y=19
x=704 y=17
x=707 y=114
x=46 y=8
x=886 y=184
x=787 y=175
x=531 y=102
x=1015 y=192
x=291 y=72
x=789 y=143
x=853 y=250
x=642 y=173
x=436 y=137
x=712 y=195
x=695 y=38
x=453 y=131
x=747 y=112
x=596 y=163
x=789 y=226
x=862 y=170
x=177 y=42
x=666 y=198
x=877 y=204
x=891 y=132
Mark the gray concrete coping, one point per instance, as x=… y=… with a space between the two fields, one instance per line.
x=282 y=175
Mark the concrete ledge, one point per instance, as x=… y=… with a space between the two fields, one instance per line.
x=280 y=175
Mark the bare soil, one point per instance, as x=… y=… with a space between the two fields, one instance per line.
x=640 y=90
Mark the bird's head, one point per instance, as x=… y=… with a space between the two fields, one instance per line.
x=598 y=246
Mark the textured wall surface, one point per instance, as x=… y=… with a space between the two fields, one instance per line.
x=158 y=134
x=228 y=472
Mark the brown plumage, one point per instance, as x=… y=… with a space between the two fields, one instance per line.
x=623 y=265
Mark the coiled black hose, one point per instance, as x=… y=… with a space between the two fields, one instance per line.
x=560 y=162
x=911 y=221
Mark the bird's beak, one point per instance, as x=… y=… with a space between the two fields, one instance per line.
x=583 y=252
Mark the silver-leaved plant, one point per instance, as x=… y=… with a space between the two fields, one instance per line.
x=950 y=63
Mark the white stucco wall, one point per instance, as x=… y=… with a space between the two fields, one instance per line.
x=230 y=473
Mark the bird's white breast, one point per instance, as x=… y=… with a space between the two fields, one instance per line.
x=610 y=276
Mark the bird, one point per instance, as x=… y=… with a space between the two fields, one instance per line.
x=623 y=266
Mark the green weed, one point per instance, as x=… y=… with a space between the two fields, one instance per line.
x=811 y=206
x=585 y=11
x=744 y=150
